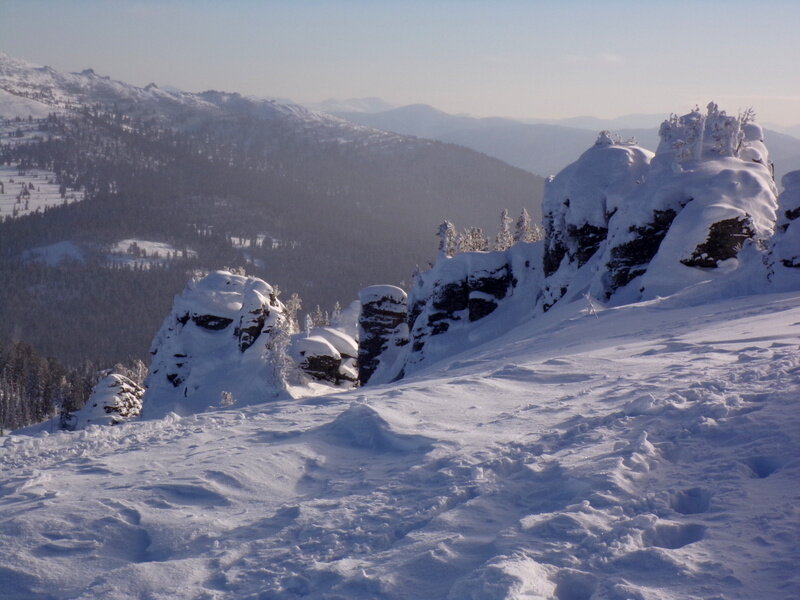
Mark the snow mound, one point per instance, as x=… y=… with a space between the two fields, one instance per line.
x=506 y=578
x=360 y=426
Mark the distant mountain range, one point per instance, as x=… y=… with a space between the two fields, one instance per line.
x=543 y=148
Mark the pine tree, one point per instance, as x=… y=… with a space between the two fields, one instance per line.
x=447 y=239
x=278 y=360
x=292 y=307
x=526 y=231
x=309 y=325
x=336 y=314
x=319 y=318
x=473 y=240
x=504 y=239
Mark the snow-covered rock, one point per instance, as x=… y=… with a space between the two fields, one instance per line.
x=787 y=239
x=114 y=400
x=624 y=224
x=705 y=196
x=219 y=336
x=447 y=301
x=326 y=355
x=382 y=330
x=578 y=203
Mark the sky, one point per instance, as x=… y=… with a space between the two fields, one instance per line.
x=514 y=58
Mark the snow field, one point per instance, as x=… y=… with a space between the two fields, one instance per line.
x=145 y=254
x=31 y=191
x=647 y=451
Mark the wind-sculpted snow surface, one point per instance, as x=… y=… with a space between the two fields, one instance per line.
x=648 y=451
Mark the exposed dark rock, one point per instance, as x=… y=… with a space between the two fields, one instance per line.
x=629 y=260
x=792 y=214
x=480 y=306
x=211 y=322
x=449 y=299
x=382 y=327
x=324 y=368
x=587 y=239
x=725 y=239
x=554 y=253
x=495 y=283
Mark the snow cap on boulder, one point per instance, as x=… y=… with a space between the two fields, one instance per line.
x=578 y=203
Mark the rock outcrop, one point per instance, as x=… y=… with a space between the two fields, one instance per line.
x=222 y=326
x=327 y=355
x=578 y=203
x=460 y=291
x=114 y=399
x=785 y=248
x=623 y=223
x=383 y=330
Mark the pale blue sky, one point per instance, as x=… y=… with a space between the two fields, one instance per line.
x=508 y=58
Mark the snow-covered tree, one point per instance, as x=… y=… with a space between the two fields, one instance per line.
x=473 y=240
x=320 y=318
x=293 y=305
x=504 y=238
x=526 y=230
x=278 y=360
x=336 y=314
x=447 y=239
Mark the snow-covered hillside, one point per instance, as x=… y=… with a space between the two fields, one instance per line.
x=648 y=451
x=606 y=414
x=32 y=90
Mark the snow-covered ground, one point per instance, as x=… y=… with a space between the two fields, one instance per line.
x=134 y=252
x=24 y=192
x=648 y=451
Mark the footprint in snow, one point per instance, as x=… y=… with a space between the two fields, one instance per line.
x=764 y=466
x=674 y=535
x=691 y=501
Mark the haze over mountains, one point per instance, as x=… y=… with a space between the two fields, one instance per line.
x=308 y=200
x=543 y=148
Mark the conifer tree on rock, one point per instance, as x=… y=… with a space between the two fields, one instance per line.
x=448 y=239
x=504 y=238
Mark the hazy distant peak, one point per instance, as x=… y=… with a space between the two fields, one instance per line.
x=350 y=105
